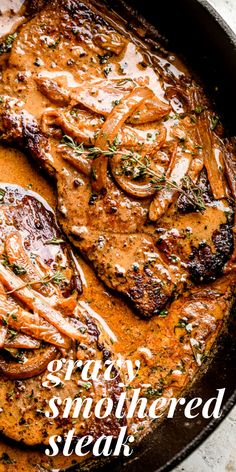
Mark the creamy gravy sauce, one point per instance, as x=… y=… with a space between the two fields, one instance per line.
x=167 y=343
x=11 y=15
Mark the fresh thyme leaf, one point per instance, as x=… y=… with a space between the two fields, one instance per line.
x=18 y=270
x=6 y=45
x=2 y=195
x=12 y=333
x=182 y=323
x=214 y=122
x=55 y=241
x=194 y=193
x=153 y=392
x=163 y=314
x=71 y=143
x=199 y=109
x=57 y=277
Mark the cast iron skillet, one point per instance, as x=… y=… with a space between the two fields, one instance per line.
x=197 y=33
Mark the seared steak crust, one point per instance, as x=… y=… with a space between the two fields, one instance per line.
x=206 y=264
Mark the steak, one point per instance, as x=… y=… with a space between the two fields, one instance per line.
x=41 y=320
x=99 y=128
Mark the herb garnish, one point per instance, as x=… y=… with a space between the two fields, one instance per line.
x=5 y=458
x=55 y=241
x=137 y=166
x=214 y=122
x=56 y=278
x=6 y=45
x=104 y=59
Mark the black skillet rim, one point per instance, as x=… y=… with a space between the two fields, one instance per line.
x=231 y=402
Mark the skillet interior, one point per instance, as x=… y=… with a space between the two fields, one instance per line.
x=196 y=32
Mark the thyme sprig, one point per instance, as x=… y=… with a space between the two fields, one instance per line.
x=56 y=278
x=130 y=160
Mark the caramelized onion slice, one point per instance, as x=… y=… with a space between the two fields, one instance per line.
x=18 y=256
x=35 y=326
x=99 y=97
x=79 y=162
x=212 y=154
x=21 y=341
x=31 y=368
x=153 y=110
x=143 y=140
x=179 y=167
x=49 y=123
x=140 y=188
x=3 y=335
x=38 y=304
x=110 y=129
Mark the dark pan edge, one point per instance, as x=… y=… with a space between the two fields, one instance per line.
x=205 y=434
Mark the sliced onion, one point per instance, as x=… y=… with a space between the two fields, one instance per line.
x=153 y=110
x=17 y=254
x=110 y=129
x=3 y=335
x=81 y=163
x=21 y=341
x=31 y=368
x=178 y=168
x=38 y=304
x=211 y=147
x=139 y=189
x=133 y=188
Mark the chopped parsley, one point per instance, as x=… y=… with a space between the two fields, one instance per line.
x=6 y=45
x=214 y=122
x=2 y=195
